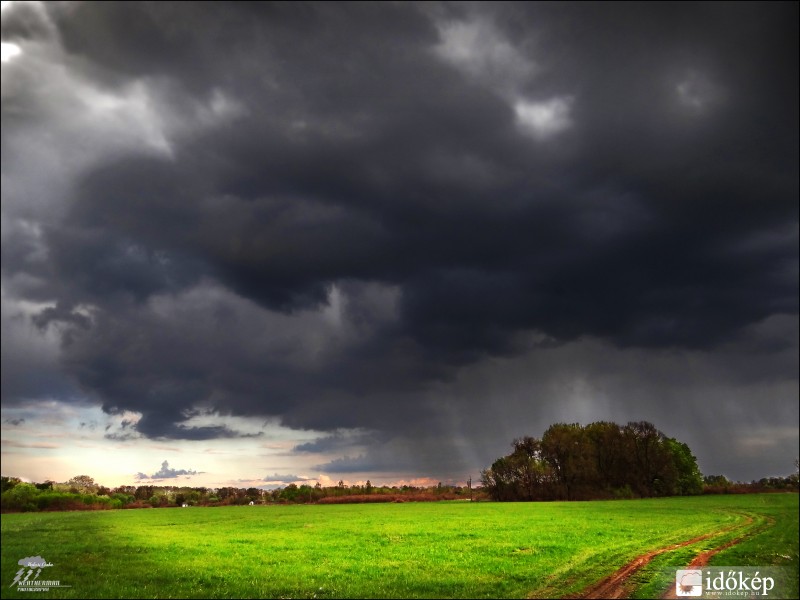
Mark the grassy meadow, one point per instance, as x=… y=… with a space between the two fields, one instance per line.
x=410 y=550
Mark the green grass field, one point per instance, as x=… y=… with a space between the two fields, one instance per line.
x=447 y=549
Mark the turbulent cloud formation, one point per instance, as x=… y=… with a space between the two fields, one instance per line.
x=436 y=225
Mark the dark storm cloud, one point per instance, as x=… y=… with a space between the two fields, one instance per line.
x=319 y=211
x=30 y=364
x=361 y=464
x=445 y=452
x=337 y=442
x=282 y=217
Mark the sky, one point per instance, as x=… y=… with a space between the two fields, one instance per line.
x=252 y=244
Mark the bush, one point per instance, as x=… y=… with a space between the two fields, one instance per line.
x=57 y=501
x=21 y=497
x=124 y=499
x=623 y=493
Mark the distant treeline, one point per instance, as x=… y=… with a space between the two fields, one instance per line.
x=606 y=460
x=82 y=493
x=719 y=484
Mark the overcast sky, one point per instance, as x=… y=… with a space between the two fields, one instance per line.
x=261 y=243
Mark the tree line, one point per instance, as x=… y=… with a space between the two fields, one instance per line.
x=599 y=460
x=83 y=493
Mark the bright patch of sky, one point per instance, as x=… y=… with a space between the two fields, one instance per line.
x=479 y=49
x=544 y=119
x=697 y=92
x=8 y=51
x=48 y=439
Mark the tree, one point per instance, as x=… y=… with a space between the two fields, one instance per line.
x=83 y=483
x=716 y=483
x=565 y=447
x=611 y=462
x=651 y=461
x=6 y=483
x=500 y=480
x=688 y=480
x=290 y=492
x=534 y=473
x=143 y=492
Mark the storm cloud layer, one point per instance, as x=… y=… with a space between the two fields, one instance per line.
x=423 y=224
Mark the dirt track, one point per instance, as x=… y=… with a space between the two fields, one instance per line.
x=616 y=585
x=701 y=560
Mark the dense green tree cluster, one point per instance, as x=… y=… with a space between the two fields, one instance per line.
x=600 y=460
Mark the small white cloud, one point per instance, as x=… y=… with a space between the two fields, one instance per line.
x=697 y=92
x=165 y=472
x=544 y=119
x=333 y=311
x=480 y=50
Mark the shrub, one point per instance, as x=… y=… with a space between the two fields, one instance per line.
x=21 y=497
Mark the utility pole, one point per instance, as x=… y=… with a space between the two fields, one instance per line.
x=469 y=485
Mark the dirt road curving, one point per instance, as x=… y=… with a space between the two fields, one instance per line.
x=701 y=560
x=617 y=584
